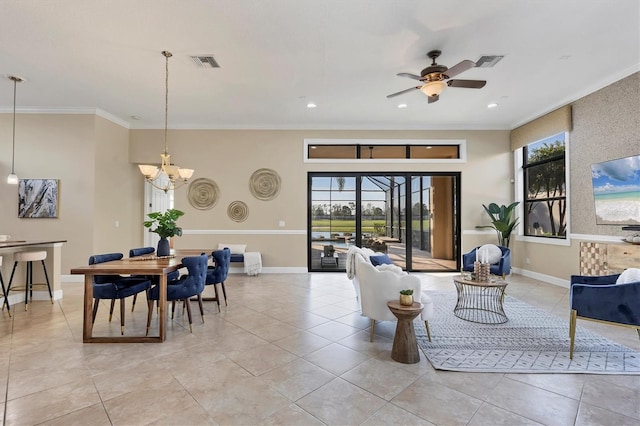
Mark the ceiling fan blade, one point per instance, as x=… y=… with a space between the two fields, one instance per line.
x=459 y=68
x=393 y=95
x=469 y=84
x=433 y=99
x=406 y=74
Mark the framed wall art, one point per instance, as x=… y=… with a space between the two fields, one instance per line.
x=38 y=198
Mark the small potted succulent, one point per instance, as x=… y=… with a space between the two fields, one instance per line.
x=165 y=227
x=406 y=297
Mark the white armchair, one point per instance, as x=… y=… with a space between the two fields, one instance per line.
x=375 y=287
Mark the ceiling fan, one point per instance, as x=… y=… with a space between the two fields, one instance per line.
x=436 y=77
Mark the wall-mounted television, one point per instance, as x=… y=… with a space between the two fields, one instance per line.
x=616 y=191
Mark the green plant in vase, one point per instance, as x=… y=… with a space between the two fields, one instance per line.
x=502 y=221
x=406 y=297
x=164 y=224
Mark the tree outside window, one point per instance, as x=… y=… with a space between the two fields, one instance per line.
x=545 y=203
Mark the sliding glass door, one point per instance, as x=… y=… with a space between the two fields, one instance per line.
x=413 y=217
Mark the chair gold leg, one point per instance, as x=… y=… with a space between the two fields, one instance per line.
x=373 y=325
x=426 y=324
x=572 y=331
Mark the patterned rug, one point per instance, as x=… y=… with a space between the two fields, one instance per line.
x=532 y=341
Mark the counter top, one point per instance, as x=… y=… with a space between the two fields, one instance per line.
x=19 y=243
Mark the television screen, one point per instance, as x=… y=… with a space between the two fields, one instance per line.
x=616 y=191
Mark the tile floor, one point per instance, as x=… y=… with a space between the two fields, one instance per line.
x=289 y=350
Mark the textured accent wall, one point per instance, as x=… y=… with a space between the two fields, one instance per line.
x=606 y=126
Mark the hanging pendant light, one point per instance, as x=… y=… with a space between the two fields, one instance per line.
x=12 y=179
x=177 y=176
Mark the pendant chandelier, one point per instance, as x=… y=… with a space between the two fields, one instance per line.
x=176 y=176
x=12 y=179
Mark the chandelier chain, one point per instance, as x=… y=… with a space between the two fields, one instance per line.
x=166 y=102
x=13 y=150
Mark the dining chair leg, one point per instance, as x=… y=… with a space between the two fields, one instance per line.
x=426 y=325
x=201 y=307
x=188 y=305
x=373 y=326
x=224 y=293
x=215 y=288
x=150 y=305
x=133 y=303
x=122 y=316
x=113 y=303
x=96 y=303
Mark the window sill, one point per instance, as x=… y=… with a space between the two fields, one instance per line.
x=544 y=240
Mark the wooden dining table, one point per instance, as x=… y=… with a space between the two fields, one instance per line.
x=143 y=265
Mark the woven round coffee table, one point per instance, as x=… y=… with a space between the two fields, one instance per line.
x=480 y=301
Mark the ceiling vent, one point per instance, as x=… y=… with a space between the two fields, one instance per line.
x=205 y=61
x=488 y=61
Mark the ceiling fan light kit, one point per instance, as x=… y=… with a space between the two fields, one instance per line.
x=436 y=78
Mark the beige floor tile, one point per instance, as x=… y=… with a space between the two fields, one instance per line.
x=337 y=359
x=355 y=319
x=51 y=403
x=589 y=415
x=341 y=403
x=433 y=401
x=297 y=378
x=292 y=415
x=275 y=331
x=477 y=385
x=261 y=358
x=612 y=397
x=360 y=342
x=305 y=320
x=331 y=312
x=94 y=415
x=382 y=379
x=391 y=414
x=199 y=381
x=569 y=385
x=333 y=330
x=490 y=415
x=534 y=403
x=302 y=343
x=35 y=380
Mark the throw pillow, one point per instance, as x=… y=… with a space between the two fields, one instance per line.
x=631 y=275
x=489 y=253
x=382 y=259
x=234 y=248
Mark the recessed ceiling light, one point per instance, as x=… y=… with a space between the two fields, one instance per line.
x=311 y=105
x=428 y=147
x=492 y=105
x=313 y=147
x=135 y=117
x=402 y=105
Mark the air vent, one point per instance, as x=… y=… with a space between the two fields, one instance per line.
x=205 y=61
x=488 y=61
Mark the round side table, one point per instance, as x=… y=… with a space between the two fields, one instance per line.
x=405 y=346
x=480 y=301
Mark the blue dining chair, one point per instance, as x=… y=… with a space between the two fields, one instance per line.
x=183 y=288
x=149 y=251
x=114 y=287
x=217 y=274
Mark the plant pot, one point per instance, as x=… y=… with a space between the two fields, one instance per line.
x=163 y=247
x=406 y=299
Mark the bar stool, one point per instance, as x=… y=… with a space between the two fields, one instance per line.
x=30 y=257
x=4 y=290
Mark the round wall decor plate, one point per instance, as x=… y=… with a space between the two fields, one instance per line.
x=238 y=211
x=265 y=184
x=203 y=193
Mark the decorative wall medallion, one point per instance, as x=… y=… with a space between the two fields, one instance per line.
x=238 y=211
x=265 y=184
x=203 y=194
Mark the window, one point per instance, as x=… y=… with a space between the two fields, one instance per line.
x=545 y=194
x=384 y=150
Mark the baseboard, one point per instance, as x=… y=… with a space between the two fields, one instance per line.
x=18 y=297
x=542 y=277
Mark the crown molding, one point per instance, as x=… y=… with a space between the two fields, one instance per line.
x=68 y=111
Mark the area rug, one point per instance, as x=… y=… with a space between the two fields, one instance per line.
x=532 y=341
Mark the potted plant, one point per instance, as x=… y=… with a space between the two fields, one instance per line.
x=406 y=297
x=502 y=221
x=165 y=227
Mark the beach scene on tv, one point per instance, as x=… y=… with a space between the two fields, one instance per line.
x=616 y=191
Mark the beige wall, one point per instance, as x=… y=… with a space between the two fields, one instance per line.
x=605 y=127
x=230 y=157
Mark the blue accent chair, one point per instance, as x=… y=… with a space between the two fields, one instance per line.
x=114 y=287
x=503 y=267
x=218 y=274
x=183 y=288
x=149 y=251
x=601 y=299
